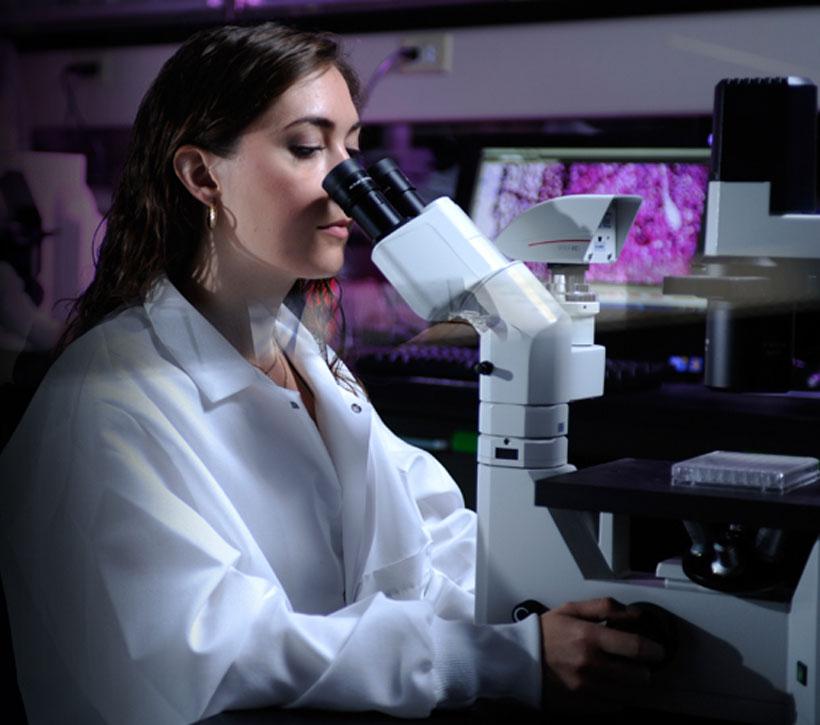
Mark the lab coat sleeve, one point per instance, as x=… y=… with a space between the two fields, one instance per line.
x=407 y=656
x=207 y=636
x=157 y=619
x=492 y=653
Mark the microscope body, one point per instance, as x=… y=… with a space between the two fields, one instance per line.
x=537 y=354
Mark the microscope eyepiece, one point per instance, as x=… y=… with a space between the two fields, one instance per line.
x=350 y=186
x=398 y=189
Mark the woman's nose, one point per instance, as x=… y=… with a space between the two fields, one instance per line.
x=341 y=154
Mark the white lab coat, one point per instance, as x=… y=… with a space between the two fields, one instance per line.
x=181 y=539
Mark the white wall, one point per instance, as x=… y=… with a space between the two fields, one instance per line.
x=632 y=66
x=662 y=65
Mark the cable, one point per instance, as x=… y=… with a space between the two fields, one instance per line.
x=390 y=62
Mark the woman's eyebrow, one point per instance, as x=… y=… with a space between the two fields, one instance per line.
x=321 y=122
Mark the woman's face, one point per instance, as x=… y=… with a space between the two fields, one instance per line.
x=273 y=211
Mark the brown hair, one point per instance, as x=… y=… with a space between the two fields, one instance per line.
x=215 y=85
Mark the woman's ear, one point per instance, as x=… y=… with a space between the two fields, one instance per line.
x=193 y=167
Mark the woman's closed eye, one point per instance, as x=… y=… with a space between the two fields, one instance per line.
x=301 y=151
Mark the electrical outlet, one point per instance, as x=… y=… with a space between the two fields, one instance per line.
x=435 y=53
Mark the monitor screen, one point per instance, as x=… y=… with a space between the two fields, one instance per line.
x=666 y=233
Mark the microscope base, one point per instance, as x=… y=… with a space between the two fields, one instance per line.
x=739 y=658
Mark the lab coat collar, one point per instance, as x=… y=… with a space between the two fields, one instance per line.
x=214 y=365
x=219 y=371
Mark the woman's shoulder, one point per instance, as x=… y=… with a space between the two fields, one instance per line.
x=103 y=364
x=122 y=340
x=92 y=375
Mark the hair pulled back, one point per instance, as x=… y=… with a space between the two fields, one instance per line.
x=215 y=85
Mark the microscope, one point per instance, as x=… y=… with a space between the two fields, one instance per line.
x=548 y=534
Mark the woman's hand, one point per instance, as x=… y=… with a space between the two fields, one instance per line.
x=582 y=655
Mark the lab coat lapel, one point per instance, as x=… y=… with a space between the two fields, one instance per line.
x=344 y=422
x=385 y=546
x=218 y=370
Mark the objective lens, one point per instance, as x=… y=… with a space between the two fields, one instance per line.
x=349 y=185
x=398 y=189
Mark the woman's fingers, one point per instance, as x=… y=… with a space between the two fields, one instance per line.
x=584 y=656
x=594 y=610
x=629 y=645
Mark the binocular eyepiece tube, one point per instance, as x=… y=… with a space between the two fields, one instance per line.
x=378 y=210
x=398 y=189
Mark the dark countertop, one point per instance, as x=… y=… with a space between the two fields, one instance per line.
x=482 y=713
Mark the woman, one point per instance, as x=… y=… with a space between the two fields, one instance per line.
x=200 y=512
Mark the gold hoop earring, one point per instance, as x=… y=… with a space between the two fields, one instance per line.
x=211 y=216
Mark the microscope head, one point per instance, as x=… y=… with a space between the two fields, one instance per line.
x=575 y=229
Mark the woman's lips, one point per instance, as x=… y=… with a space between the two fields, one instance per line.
x=340 y=230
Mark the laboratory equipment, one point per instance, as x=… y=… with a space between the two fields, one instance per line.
x=536 y=354
x=498 y=180
x=761 y=262
x=498 y=183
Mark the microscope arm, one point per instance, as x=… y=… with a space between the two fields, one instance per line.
x=445 y=268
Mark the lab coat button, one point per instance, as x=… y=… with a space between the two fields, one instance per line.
x=356 y=408
x=293 y=405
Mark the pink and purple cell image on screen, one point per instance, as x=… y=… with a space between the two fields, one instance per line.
x=664 y=236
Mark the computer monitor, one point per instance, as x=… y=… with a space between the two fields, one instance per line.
x=665 y=235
